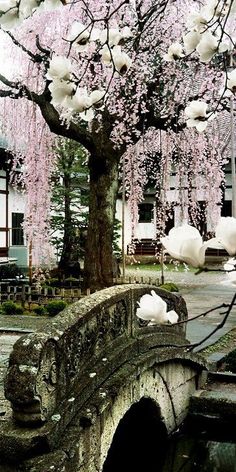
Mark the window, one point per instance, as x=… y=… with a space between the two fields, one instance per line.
x=17 y=237
x=226 y=209
x=145 y=212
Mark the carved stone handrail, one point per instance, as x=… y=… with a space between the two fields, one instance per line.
x=82 y=346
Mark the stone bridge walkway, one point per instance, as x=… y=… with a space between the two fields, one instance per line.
x=209 y=290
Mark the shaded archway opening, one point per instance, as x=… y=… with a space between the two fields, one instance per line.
x=139 y=443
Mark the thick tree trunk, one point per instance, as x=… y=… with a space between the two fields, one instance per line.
x=98 y=271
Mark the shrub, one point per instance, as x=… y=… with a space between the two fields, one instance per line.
x=170 y=287
x=10 y=271
x=11 y=308
x=40 y=310
x=19 y=310
x=54 y=307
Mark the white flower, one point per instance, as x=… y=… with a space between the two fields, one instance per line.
x=26 y=7
x=80 y=35
x=209 y=45
x=226 y=234
x=214 y=8
x=97 y=97
x=106 y=54
x=231 y=81
x=80 y=100
x=112 y=36
x=126 y=32
x=117 y=57
x=10 y=15
x=196 y=21
x=175 y=51
x=185 y=244
x=121 y=60
x=154 y=309
x=196 y=114
x=230 y=266
x=49 y=5
x=60 y=91
x=60 y=68
x=191 y=41
x=87 y=115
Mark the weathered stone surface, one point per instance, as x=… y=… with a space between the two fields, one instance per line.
x=50 y=362
x=93 y=359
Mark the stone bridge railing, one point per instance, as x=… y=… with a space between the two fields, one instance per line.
x=52 y=374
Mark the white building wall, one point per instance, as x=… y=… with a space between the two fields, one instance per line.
x=127 y=223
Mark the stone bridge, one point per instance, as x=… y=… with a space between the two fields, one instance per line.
x=93 y=379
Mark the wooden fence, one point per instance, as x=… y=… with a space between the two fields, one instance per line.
x=28 y=295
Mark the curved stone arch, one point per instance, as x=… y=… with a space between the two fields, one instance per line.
x=146 y=378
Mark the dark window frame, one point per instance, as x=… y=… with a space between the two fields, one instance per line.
x=145 y=211
x=17 y=233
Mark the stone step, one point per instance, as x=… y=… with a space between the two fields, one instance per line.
x=215 y=405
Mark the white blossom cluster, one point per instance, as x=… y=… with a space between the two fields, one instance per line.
x=13 y=12
x=206 y=37
x=64 y=90
x=205 y=34
x=65 y=93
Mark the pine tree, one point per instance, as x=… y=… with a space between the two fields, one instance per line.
x=69 y=205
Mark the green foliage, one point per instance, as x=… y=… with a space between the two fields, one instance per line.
x=69 y=196
x=10 y=271
x=230 y=362
x=11 y=308
x=40 y=310
x=170 y=287
x=54 y=307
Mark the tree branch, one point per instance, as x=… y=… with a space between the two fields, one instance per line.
x=34 y=57
x=50 y=114
x=73 y=131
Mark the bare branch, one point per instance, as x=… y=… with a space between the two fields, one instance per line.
x=34 y=57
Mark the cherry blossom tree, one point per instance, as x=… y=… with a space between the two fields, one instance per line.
x=107 y=75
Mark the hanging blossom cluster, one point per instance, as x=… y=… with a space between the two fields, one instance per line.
x=208 y=34
x=32 y=152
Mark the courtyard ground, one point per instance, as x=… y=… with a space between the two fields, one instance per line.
x=201 y=292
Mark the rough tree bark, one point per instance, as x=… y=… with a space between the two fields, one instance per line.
x=98 y=270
